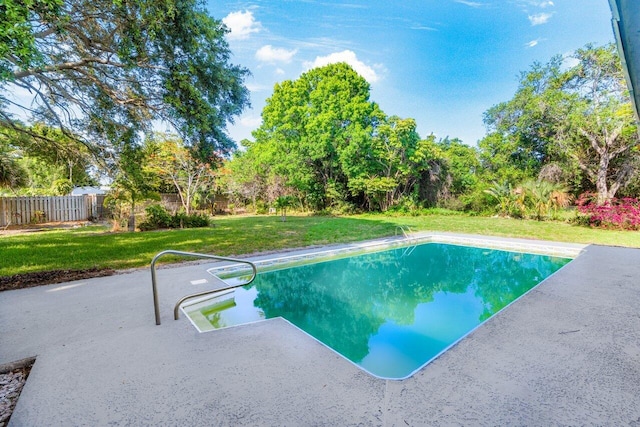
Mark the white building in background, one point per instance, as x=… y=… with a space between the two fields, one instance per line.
x=81 y=191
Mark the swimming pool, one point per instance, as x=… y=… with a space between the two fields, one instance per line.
x=389 y=312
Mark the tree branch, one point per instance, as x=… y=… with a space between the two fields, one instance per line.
x=65 y=66
x=592 y=140
x=583 y=165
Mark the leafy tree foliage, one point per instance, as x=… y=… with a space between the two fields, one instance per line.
x=250 y=176
x=601 y=136
x=176 y=165
x=536 y=199
x=504 y=160
x=61 y=187
x=311 y=125
x=37 y=167
x=132 y=184
x=399 y=161
x=17 y=37
x=323 y=141
x=102 y=71
x=463 y=165
x=12 y=174
x=579 y=117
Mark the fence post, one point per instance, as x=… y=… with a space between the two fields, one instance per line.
x=3 y=213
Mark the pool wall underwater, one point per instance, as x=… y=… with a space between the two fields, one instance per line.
x=397 y=322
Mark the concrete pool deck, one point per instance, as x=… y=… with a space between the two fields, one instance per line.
x=566 y=353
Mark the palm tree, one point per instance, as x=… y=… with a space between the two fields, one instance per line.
x=503 y=195
x=544 y=198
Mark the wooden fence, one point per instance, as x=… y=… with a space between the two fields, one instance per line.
x=37 y=209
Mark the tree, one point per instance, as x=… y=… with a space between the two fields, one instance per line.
x=173 y=162
x=42 y=166
x=503 y=159
x=61 y=187
x=308 y=125
x=249 y=175
x=395 y=163
x=600 y=135
x=463 y=165
x=102 y=71
x=336 y=148
x=579 y=117
x=282 y=203
x=12 y=174
x=133 y=182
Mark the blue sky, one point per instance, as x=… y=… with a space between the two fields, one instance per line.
x=441 y=62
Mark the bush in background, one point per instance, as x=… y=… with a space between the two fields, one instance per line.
x=619 y=213
x=533 y=199
x=158 y=217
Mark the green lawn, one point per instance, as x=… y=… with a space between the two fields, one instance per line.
x=96 y=247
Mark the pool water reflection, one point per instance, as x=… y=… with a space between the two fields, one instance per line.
x=388 y=312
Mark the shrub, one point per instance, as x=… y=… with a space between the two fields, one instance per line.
x=618 y=213
x=451 y=204
x=182 y=220
x=61 y=187
x=531 y=199
x=261 y=207
x=340 y=207
x=478 y=201
x=158 y=217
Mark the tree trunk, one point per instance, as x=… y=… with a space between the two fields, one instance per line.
x=132 y=217
x=601 y=179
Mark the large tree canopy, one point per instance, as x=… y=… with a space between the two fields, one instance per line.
x=323 y=140
x=578 y=117
x=309 y=126
x=103 y=71
x=178 y=169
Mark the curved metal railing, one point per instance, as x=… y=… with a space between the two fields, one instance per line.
x=183 y=299
x=406 y=233
x=405 y=229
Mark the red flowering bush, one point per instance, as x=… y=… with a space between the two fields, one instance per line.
x=618 y=213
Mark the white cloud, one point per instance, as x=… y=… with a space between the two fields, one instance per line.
x=280 y=72
x=569 y=60
x=533 y=43
x=257 y=87
x=272 y=54
x=470 y=3
x=535 y=3
x=350 y=58
x=423 y=28
x=540 y=18
x=250 y=121
x=241 y=24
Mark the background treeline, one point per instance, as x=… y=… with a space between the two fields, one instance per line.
x=569 y=134
x=325 y=145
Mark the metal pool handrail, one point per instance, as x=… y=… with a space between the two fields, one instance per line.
x=406 y=230
x=183 y=299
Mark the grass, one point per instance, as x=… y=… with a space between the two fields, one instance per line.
x=91 y=247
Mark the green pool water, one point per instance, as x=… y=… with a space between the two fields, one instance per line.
x=388 y=312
